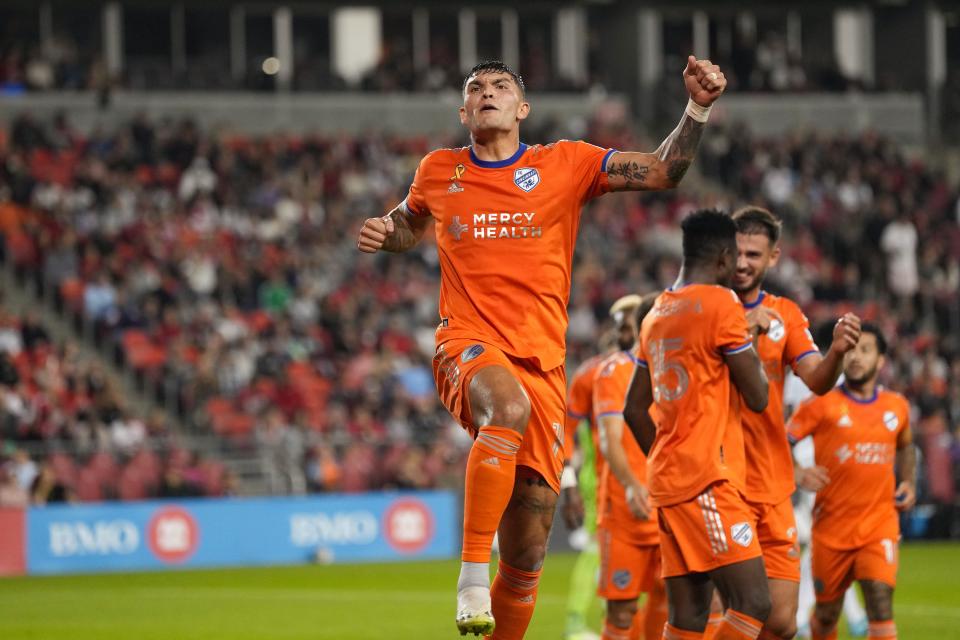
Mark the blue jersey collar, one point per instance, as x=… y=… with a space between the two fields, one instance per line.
x=497 y=164
x=846 y=392
x=755 y=303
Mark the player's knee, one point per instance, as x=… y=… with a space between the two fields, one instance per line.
x=513 y=413
x=620 y=613
x=781 y=624
x=878 y=601
x=530 y=558
x=826 y=616
x=754 y=602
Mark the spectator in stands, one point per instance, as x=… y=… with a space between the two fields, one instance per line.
x=48 y=489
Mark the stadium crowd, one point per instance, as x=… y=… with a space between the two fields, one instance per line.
x=223 y=270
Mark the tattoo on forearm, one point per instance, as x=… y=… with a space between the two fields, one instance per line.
x=403 y=236
x=634 y=174
x=678 y=149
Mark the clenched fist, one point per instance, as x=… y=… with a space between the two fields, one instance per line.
x=374 y=233
x=704 y=80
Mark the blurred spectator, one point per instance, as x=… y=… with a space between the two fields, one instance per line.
x=48 y=489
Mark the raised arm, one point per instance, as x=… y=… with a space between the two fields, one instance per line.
x=820 y=373
x=665 y=167
x=636 y=410
x=395 y=232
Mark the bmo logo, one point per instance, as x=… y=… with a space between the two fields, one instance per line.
x=173 y=534
x=408 y=525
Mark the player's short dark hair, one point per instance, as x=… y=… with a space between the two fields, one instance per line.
x=706 y=233
x=495 y=66
x=752 y=219
x=869 y=327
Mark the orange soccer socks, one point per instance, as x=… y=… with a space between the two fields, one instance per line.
x=671 y=632
x=491 y=468
x=713 y=625
x=514 y=595
x=886 y=630
x=738 y=626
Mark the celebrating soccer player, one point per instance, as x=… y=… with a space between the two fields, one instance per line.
x=627 y=524
x=784 y=341
x=696 y=362
x=861 y=433
x=506 y=220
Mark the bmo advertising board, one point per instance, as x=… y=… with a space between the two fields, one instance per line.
x=240 y=532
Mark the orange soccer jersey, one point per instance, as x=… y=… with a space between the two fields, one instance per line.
x=683 y=342
x=580 y=403
x=609 y=392
x=770 y=462
x=856 y=440
x=505 y=233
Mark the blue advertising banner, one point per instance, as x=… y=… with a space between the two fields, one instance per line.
x=240 y=532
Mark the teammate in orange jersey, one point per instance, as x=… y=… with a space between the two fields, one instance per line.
x=861 y=433
x=579 y=492
x=627 y=524
x=696 y=361
x=506 y=221
x=784 y=341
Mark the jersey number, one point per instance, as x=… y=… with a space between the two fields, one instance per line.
x=667 y=387
x=888 y=549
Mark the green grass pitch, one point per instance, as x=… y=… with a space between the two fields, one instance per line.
x=356 y=602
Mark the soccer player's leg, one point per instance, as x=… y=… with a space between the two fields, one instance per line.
x=875 y=567
x=711 y=535
x=478 y=385
x=525 y=526
x=524 y=530
x=832 y=574
x=777 y=533
x=736 y=566
x=622 y=579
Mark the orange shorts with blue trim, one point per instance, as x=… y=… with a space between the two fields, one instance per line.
x=456 y=362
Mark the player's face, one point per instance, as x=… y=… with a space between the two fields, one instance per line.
x=755 y=254
x=492 y=102
x=861 y=364
x=626 y=328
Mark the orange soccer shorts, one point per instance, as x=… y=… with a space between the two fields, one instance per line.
x=626 y=569
x=777 y=533
x=835 y=569
x=458 y=360
x=711 y=530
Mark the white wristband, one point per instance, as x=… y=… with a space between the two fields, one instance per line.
x=568 y=479
x=695 y=111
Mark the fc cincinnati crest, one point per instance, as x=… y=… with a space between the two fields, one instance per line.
x=526 y=178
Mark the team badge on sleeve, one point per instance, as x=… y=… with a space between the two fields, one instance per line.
x=526 y=178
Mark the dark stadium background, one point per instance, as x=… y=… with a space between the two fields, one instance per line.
x=183 y=312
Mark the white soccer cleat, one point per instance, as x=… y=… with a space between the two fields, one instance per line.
x=474 y=611
x=586 y=634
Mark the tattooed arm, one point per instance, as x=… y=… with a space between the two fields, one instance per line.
x=665 y=167
x=395 y=232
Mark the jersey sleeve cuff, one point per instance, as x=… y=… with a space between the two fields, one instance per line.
x=734 y=350
x=407 y=209
x=576 y=416
x=640 y=362
x=606 y=157
x=804 y=355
